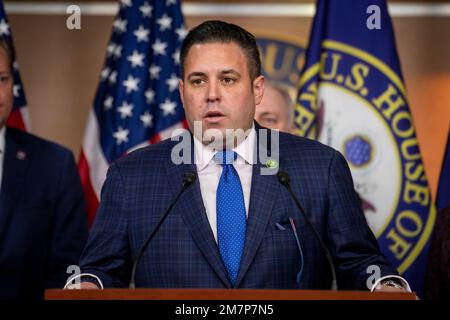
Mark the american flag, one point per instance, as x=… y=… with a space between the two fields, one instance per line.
x=19 y=117
x=137 y=100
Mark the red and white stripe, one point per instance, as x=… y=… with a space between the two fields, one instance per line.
x=20 y=119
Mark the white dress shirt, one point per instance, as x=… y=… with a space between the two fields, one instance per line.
x=209 y=173
x=2 y=153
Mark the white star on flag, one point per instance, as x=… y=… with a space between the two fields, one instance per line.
x=159 y=47
x=121 y=135
x=113 y=77
x=169 y=2
x=168 y=107
x=136 y=59
x=4 y=28
x=176 y=56
x=105 y=73
x=181 y=32
x=126 y=3
x=154 y=71
x=172 y=82
x=150 y=96
x=146 y=10
x=111 y=49
x=16 y=89
x=142 y=34
x=131 y=84
x=147 y=119
x=15 y=66
x=118 y=51
x=120 y=25
x=125 y=110
x=108 y=103
x=164 y=22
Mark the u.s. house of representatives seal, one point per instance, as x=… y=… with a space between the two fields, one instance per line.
x=357 y=104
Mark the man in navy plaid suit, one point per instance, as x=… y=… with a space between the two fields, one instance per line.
x=221 y=86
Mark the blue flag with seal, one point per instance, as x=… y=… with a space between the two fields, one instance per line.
x=282 y=58
x=352 y=97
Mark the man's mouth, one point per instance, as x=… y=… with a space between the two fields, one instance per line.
x=213 y=116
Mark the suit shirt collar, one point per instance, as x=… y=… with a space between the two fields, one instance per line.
x=245 y=150
x=2 y=140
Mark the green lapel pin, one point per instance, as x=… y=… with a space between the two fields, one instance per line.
x=272 y=164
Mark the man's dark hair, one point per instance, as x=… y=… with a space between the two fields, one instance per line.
x=219 y=31
x=9 y=49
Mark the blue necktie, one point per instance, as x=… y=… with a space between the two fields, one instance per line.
x=231 y=218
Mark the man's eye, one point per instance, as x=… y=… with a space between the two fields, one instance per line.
x=197 y=82
x=228 y=80
x=271 y=120
x=4 y=78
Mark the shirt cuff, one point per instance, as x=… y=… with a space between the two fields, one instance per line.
x=71 y=285
x=402 y=280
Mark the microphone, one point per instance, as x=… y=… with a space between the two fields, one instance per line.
x=188 y=179
x=284 y=179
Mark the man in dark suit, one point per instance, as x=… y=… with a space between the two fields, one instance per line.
x=236 y=225
x=43 y=225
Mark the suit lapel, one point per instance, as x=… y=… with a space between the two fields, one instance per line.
x=264 y=190
x=15 y=164
x=194 y=216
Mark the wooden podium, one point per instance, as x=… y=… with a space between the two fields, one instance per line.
x=221 y=294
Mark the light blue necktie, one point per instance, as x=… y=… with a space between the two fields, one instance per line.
x=230 y=210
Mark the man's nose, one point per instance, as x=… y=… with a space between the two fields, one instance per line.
x=213 y=94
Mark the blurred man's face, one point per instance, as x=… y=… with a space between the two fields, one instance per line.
x=217 y=89
x=6 y=88
x=273 y=112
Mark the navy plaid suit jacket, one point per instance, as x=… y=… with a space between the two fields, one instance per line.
x=184 y=254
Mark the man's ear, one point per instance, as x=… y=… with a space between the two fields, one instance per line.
x=258 y=89
x=180 y=90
